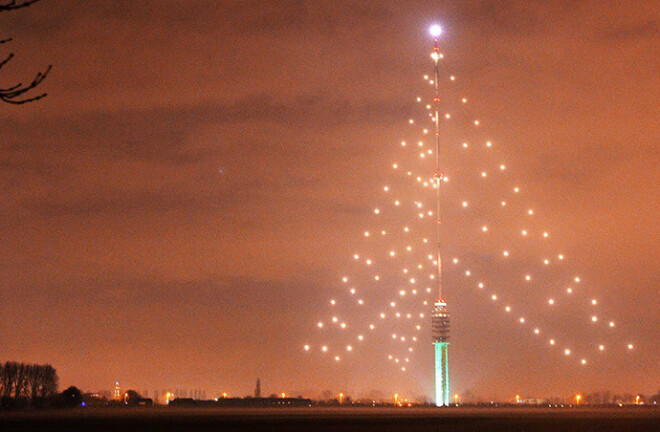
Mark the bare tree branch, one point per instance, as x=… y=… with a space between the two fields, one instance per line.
x=14 y=94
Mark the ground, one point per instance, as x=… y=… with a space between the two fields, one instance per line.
x=337 y=419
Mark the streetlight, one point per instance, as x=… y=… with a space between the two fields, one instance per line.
x=577 y=399
x=341 y=398
x=435 y=30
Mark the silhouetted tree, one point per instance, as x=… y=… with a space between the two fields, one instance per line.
x=24 y=384
x=16 y=94
x=131 y=398
x=71 y=397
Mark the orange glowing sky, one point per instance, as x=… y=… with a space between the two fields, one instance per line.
x=127 y=255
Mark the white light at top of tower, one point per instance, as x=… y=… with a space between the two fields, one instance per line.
x=435 y=30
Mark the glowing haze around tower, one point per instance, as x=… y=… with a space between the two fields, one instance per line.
x=440 y=316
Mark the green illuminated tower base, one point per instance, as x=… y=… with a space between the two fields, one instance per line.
x=440 y=333
x=441 y=374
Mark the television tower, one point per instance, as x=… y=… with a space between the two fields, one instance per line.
x=440 y=316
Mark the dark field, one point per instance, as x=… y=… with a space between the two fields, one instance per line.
x=336 y=419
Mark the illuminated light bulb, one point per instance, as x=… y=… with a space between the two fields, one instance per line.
x=489 y=144
x=431 y=82
x=522 y=320
x=408 y=248
x=481 y=285
x=484 y=228
x=545 y=234
x=476 y=122
x=594 y=302
x=343 y=325
x=577 y=279
x=465 y=145
x=601 y=347
x=426 y=77
x=452 y=78
x=319 y=325
x=428 y=106
x=429 y=151
x=366 y=233
x=396 y=360
x=394 y=336
x=396 y=203
x=494 y=297
x=561 y=257
x=403 y=368
x=371 y=326
x=421 y=315
x=612 y=324
x=435 y=30
x=414 y=338
x=505 y=253
x=583 y=361
x=552 y=341
x=349 y=348
x=337 y=358
x=419 y=205
x=386 y=188
x=419 y=99
x=306 y=347
x=368 y=262
x=569 y=290
x=528 y=278
x=344 y=279
x=392 y=253
x=546 y=261
x=411 y=121
x=530 y=212
x=335 y=319
x=332 y=302
x=405 y=271
x=403 y=339
x=447 y=116
x=630 y=346
x=392 y=304
x=376 y=211
x=567 y=352
x=356 y=256
x=412 y=280
x=537 y=331
x=524 y=232
x=594 y=318
x=425 y=240
x=445 y=179
x=467 y=272
x=418 y=327
x=551 y=301
x=410 y=349
x=464 y=100
x=324 y=348
x=360 y=337
x=516 y=189
x=483 y=174
x=508 y=308
x=402 y=293
x=421 y=155
x=360 y=301
x=377 y=277
x=395 y=166
x=502 y=167
x=383 y=233
x=352 y=291
x=414 y=291
x=503 y=203
x=425 y=131
x=455 y=260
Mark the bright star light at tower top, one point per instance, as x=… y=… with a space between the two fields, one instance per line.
x=385 y=292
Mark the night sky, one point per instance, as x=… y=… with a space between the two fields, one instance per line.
x=180 y=208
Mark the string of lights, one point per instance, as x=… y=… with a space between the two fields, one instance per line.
x=388 y=288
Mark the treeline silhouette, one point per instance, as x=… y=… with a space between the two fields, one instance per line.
x=25 y=384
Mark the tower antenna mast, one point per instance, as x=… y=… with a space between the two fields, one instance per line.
x=440 y=316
